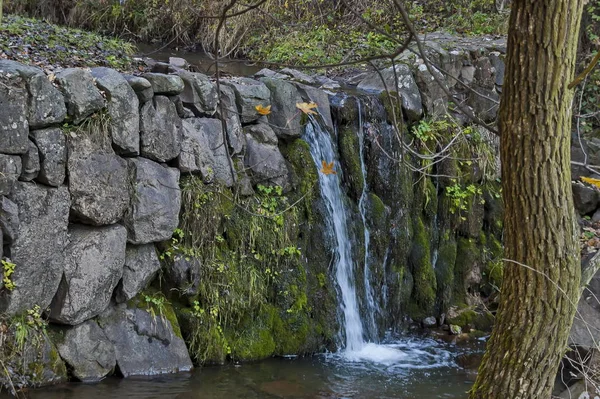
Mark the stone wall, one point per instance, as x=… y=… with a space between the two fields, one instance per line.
x=93 y=165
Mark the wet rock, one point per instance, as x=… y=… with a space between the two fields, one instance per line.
x=99 y=186
x=327 y=83
x=81 y=95
x=429 y=322
x=141 y=87
x=205 y=152
x=38 y=247
x=145 y=344
x=265 y=163
x=9 y=220
x=10 y=170
x=123 y=108
x=407 y=88
x=52 y=148
x=31 y=163
x=141 y=264
x=184 y=275
x=169 y=85
x=94 y=260
x=14 y=126
x=586 y=198
x=235 y=135
x=248 y=94
x=199 y=93
x=88 y=352
x=263 y=133
x=284 y=116
x=160 y=127
x=154 y=212
x=298 y=76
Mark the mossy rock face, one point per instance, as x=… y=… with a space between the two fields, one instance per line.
x=467 y=270
x=349 y=146
x=430 y=193
x=393 y=107
x=34 y=363
x=444 y=269
x=425 y=284
x=471 y=319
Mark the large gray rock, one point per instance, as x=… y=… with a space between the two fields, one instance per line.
x=586 y=198
x=38 y=247
x=123 y=108
x=265 y=163
x=10 y=170
x=46 y=105
x=298 y=76
x=31 y=163
x=165 y=84
x=205 y=152
x=183 y=275
x=284 y=115
x=199 y=93
x=14 y=126
x=88 y=352
x=433 y=95
x=262 y=133
x=160 y=127
x=410 y=95
x=99 y=185
x=248 y=94
x=319 y=97
x=94 y=262
x=154 y=210
x=145 y=344
x=141 y=264
x=235 y=135
x=585 y=331
x=52 y=148
x=142 y=87
x=81 y=95
x=9 y=220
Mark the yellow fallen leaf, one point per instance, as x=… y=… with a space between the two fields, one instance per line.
x=307 y=108
x=595 y=182
x=327 y=168
x=263 y=110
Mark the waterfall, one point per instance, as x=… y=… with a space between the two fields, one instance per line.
x=372 y=308
x=322 y=149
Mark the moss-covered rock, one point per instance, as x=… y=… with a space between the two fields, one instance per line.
x=349 y=147
x=471 y=319
x=444 y=269
x=425 y=283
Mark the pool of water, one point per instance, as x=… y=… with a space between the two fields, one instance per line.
x=404 y=369
x=199 y=59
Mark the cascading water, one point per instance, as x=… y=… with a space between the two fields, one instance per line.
x=321 y=149
x=394 y=355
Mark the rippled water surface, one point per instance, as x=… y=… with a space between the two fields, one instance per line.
x=405 y=369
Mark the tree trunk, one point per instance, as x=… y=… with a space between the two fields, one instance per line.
x=541 y=287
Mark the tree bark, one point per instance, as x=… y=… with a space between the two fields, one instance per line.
x=541 y=281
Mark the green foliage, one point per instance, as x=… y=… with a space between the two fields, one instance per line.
x=461 y=195
x=8 y=268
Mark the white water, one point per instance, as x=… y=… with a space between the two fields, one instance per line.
x=321 y=149
x=356 y=349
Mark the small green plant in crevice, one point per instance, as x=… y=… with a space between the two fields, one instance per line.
x=27 y=327
x=155 y=304
x=8 y=268
x=461 y=195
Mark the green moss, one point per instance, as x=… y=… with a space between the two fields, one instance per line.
x=389 y=98
x=350 y=158
x=304 y=173
x=468 y=256
x=431 y=199
x=422 y=270
x=444 y=269
x=482 y=321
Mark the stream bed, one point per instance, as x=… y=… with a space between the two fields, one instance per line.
x=409 y=368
